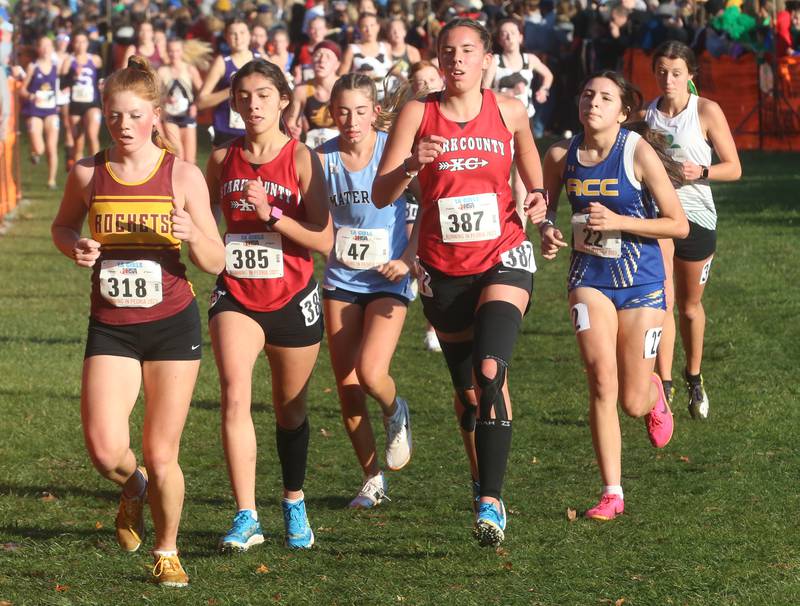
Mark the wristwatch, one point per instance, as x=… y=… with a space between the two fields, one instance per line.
x=704 y=172
x=409 y=173
x=543 y=191
x=275 y=214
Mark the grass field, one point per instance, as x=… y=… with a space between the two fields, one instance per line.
x=709 y=520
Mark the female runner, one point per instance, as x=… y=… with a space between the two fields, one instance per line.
x=478 y=264
x=181 y=81
x=370 y=56
x=81 y=72
x=512 y=72
x=693 y=125
x=622 y=201
x=146 y=46
x=309 y=112
x=367 y=288
x=216 y=91
x=39 y=107
x=273 y=196
x=144 y=326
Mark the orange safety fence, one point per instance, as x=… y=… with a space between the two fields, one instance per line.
x=760 y=114
x=10 y=192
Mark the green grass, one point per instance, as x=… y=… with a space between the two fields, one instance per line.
x=710 y=519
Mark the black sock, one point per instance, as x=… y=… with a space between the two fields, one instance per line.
x=293 y=452
x=492 y=445
x=667 y=386
x=692 y=379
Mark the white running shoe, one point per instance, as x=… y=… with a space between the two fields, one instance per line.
x=398 y=437
x=432 y=341
x=372 y=493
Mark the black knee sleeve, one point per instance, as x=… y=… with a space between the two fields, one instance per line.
x=293 y=453
x=496 y=328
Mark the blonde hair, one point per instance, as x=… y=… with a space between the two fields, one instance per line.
x=140 y=79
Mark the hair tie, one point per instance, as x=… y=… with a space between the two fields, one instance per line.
x=693 y=88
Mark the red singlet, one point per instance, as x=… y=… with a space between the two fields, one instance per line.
x=279 y=267
x=139 y=276
x=468 y=213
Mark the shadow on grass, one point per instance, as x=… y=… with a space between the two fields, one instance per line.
x=565 y=421
x=59 y=491
x=44 y=340
x=214 y=405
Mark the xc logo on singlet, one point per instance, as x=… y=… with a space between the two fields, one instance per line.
x=242 y=205
x=457 y=164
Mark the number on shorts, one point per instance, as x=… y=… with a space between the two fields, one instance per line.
x=311 y=308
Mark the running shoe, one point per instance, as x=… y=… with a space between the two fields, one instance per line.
x=372 y=493
x=490 y=524
x=698 y=399
x=130 y=519
x=432 y=341
x=168 y=571
x=298 y=531
x=244 y=533
x=35 y=158
x=609 y=507
x=659 y=420
x=398 y=436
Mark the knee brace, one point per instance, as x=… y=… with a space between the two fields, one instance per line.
x=459 y=362
x=497 y=325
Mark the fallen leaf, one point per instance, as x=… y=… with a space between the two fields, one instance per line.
x=619 y=602
x=6 y=603
x=401 y=598
x=325 y=433
x=508 y=565
x=327 y=390
x=47 y=497
x=98 y=525
x=684 y=459
x=276 y=597
x=212 y=602
x=262 y=569
x=501 y=552
x=10 y=546
x=636 y=577
x=571 y=514
x=535 y=461
x=62 y=588
x=512 y=511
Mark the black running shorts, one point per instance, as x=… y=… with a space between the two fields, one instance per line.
x=175 y=338
x=296 y=324
x=699 y=245
x=449 y=302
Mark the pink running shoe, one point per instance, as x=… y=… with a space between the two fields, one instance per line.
x=608 y=508
x=659 y=420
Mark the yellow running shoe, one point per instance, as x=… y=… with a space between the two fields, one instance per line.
x=130 y=519
x=169 y=572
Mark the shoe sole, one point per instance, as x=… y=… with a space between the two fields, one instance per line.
x=410 y=450
x=256 y=539
x=488 y=534
x=603 y=518
x=663 y=396
x=172 y=584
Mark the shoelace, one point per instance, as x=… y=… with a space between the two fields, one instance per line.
x=295 y=516
x=373 y=488
x=696 y=392
x=240 y=522
x=165 y=562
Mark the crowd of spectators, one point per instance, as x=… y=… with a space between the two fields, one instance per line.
x=573 y=37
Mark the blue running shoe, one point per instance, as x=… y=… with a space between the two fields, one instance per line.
x=298 y=531
x=244 y=533
x=490 y=524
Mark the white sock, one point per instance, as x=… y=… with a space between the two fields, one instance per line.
x=293 y=501
x=253 y=513
x=165 y=552
x=614 y=489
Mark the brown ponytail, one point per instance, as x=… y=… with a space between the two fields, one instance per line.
x=141 y=80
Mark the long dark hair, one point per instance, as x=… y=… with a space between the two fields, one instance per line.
x=632 y=103
x=672 y=49
x=269 y=70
